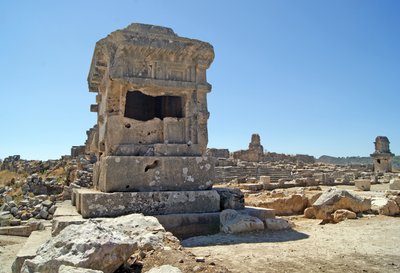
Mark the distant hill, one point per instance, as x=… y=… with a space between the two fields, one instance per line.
x=354 y=160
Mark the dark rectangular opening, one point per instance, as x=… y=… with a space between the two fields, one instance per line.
x=143 y=107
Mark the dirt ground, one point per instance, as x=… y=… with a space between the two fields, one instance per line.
x=9 y=247
x=369 y=244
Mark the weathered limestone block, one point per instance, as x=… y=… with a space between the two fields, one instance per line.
x=147 y=173
x=343 y=214
x=99 y=204
x=100 y=246
x=265 y=180
x=385 y=206
x=285 y=205
x=334 y=199
x=252 y=187
x=260 y=213
x=393 y=195
x=28 y=251
x=218 y=153
x=185 y=225
x=363 y=184
x=231 y=198
x=235 y=222
x=277 y=224
x=394 y=184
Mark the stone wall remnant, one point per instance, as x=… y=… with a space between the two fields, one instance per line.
x=255 y=153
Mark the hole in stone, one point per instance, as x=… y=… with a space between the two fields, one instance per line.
x=148 y=133
x=379 y=161
x=127 y=186
x=151 y=166
x=127 y=125
x=143 y=107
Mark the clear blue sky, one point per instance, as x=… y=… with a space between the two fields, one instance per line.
x=313 y=77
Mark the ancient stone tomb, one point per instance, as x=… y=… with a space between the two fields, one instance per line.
x=382 y=156
x=151 y=133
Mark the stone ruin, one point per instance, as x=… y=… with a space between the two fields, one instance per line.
x=255 y=153
x=151 y=134
x=382 y=156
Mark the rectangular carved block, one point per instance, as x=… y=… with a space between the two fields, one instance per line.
x=99 y=204
x=151 y=173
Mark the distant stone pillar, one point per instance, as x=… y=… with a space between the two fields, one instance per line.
x=382 y=156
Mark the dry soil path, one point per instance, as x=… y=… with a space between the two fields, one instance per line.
x=9 y=247
x=370 y=244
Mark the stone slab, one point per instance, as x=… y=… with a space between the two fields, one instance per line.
x=176 y=150
x=181 y=225
x=94 y=203
x=252 y=186
x=28 y=251
x=65 y=208
x=61 y=222
x=23 y=231
x=190 y=224
x=363 y=184
x=151 y=173
x=394 y=184
x=260 y=213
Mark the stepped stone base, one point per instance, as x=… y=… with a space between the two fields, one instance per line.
x=92 y=203
x=190 y=224
x=152 y=173
x=181 y=225
x=28 y=251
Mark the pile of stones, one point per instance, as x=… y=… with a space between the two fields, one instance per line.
x=38 y=207
x=14 y=163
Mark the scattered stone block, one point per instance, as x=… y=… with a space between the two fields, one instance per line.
x=277 y=224
x=265 y=180
x=234 y=222
x=260 y=213
x=385 y=206
x=343 y=214
x=334 y=199
x=363 y=184
x=394 y=184
x=252 y=187
x=89 y=245
x=285 y=205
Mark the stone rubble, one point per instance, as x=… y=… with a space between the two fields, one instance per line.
x=39 y=186
x=335 y=199
x=90 y=244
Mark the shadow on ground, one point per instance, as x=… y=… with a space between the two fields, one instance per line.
x=253 y=237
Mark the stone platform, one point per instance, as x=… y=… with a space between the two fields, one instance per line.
x=152 y=173
x=28 y=251
x=181 y=225
x=92 y=203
